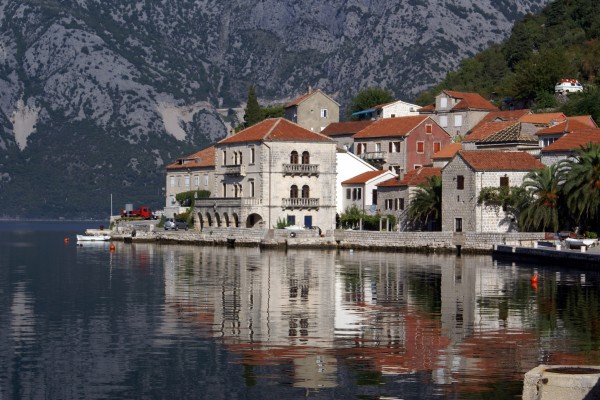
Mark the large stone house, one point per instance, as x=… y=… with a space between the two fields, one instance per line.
x=272 y=172
x=492 y=123
x=343 y=132
x=394 y=195
x=313 y=111
x=193 y=172
x=401 y=144
x=566 y=146
x=458 y=112
x=467 y=174
x=361 y=190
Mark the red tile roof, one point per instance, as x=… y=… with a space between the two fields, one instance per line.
x=500 y=161
x=386 y=127
x=304 y=97
x=413 y=177
x=447 y=152
x=274 y=129
x=470 y=101
x=585 y=119
x=543 y=119
x=510 y=115
x=428 y=108
x=570 y=125
x=203 y=158
x=345 y=128
x=483 y=130
x=364 y=177
x=573 y=141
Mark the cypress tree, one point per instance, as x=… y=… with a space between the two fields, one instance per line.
x=253 y=113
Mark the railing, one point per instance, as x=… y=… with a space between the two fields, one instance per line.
x=235 y=170
x=300 y=203
x=375 y=155
x=216 y=202
x=301 y=169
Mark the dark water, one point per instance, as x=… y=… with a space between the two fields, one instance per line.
x=184 y=322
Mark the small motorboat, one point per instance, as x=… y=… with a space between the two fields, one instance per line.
x=573 y=242
x=93 y=238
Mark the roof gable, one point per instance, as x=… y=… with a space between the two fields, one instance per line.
x=275 y=129
x=574 y=140
x=203 y=158
x=483 y=160
x=510 y=134
x=483 y=130
x=470 y=101
x=570 y=125
x=413 y=177
x=307 y=96
x=543 y=119
x=365 y=177
x=447 y=152
x=345 y=128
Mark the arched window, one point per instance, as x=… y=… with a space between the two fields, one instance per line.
x=305 y=157
x=294 y=192
x=305 y=192
x=294 y=157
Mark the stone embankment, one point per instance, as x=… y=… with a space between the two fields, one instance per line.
x=358 y=240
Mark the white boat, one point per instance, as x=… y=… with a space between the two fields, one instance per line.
x=93 y=238
x=572 y=242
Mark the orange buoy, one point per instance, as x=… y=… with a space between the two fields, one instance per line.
x=112 y=247
x=534 y=278
x=66 y=240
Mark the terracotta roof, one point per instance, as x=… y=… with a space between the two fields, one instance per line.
x=483 y=160
x=274 y=129
x=413 y=177
x=203 y=158
x=448 y=151
x=470 y=101
x=427 y=108
x=386 y=127
x=543 y=119
x=345 y=128
x=306 y=96
x=364 y=177
x=510 y=134
x=510 y=115
x=574 y=140
x=570 y=125
x=585 y=119
x=483 y=130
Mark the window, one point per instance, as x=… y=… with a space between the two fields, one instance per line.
x=252 y=155
x=348 y=194
x=235 y=158
x=458 y=224
x=294 y=157
x=504 y=181
x=172 y=181
x=375 y=196
x=437 y=146
x=305 y=192
x=291 y=220
x=294 y=192
x=206 y=180
x=224 y=157
x=393 y=116
x=241 y=159
x=235 y=190
x=356 y=194
x=443 y=102
x=305 y=157
x=186 y=181
x=395 y=147
x=377 y=147
x=460 y=182
x=252 y=188
x=224 y=189
x=417 y=166
x=178 y=181
x=323 y=113
x=428 y=128
x=401 y=206
x=420 y=147
x=444 y=121
x=196 y=181
x=458 y=120
x=361 y=148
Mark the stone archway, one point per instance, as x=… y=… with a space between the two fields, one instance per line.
x=200 y=221
x=209 y=221
x=253 y=220
x=218 y=219
x=226 y=218
x=236 y=220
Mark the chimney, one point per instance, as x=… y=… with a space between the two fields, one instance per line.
x=309 y=89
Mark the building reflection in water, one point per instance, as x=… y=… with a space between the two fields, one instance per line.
x=391 y=313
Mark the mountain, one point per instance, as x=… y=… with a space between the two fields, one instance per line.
x=98 y=96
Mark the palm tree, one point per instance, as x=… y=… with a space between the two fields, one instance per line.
x=583 y=184
x=544 y=188
x=426 y=205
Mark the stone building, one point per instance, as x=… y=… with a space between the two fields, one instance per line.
x=467 y=174
x=313 y=110
x=343 y=132
x=271 y=172
x=566 y=146
x=401 y=144
x=547 y=136
x=194 y=172
x=492 y=123
x=394 y=195
x=458 y=112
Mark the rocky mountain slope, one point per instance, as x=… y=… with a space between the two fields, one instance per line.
x=97 y=96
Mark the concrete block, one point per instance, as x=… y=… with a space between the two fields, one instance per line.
x=554 y=382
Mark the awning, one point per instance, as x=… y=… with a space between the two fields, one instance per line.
x=364 y=112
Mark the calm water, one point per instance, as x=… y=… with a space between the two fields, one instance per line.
x=157 y=321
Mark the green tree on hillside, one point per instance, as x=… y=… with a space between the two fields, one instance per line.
x=253 y=114
x=368 y=98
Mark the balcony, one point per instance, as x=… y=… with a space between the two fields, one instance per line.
x=375 y=155
x=301 y=169
x=216 y=202
x=236 y=170
x=300 y=203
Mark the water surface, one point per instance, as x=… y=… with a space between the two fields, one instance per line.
x=170 y=321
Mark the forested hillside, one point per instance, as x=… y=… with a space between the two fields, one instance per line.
x=563 y=41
